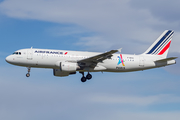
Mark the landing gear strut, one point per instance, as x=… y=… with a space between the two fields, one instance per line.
x=88 y=77
x=28 y=74
x=83 y=79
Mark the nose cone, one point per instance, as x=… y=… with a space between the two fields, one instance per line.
x=9 y=59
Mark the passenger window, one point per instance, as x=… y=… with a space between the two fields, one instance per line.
x=16 y=53
x=19 y=53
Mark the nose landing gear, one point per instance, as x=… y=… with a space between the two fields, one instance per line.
x=88 y=77
x=28 y=74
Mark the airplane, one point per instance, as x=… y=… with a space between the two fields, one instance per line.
x=65 y=63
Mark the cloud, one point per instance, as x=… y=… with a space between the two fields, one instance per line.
x=163 y=9
x=107 y=96
x=134 y=100
x=149 y=116
x=116 y=22
x=94 y=42
x=36 y=98
x=68 y=30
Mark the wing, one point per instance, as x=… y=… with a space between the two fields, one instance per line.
x=99 y=58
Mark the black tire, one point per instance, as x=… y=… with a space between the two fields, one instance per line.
x=83 y=79
x=88 y=76
x=27 y=75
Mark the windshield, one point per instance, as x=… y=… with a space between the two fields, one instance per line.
x=17 y=53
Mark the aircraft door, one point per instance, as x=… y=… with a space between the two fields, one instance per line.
x=30 y=54
x=141 y=61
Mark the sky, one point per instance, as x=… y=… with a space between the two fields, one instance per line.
x=87 y=25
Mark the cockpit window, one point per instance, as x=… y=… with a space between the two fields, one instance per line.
x=17 y=53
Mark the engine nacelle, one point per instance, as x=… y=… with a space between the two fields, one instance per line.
x=58 y=72
x=65 y=69
x=68 y=66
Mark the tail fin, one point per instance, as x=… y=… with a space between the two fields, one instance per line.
x=161 y=45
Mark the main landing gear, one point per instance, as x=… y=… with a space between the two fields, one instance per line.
x=28 y=74
x=88 y=77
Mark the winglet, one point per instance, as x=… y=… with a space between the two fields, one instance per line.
x=120 y=49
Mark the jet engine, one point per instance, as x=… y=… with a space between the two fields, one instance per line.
x=65 y=69
x=68 y=66
x=58 y=72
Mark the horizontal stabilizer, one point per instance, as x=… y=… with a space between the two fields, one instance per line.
x=167 y=59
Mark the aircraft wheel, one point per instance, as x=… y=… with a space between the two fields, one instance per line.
x=83 y=79
x=88 y=76
x=27 y=75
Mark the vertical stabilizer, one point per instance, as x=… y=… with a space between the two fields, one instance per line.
x=161 y=45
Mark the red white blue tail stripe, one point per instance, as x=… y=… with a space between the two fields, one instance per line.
x=162 y=44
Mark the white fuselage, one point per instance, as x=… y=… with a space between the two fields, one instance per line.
x=65 y=63
x=45 y=58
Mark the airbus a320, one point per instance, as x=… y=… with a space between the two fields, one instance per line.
x=65 y=63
